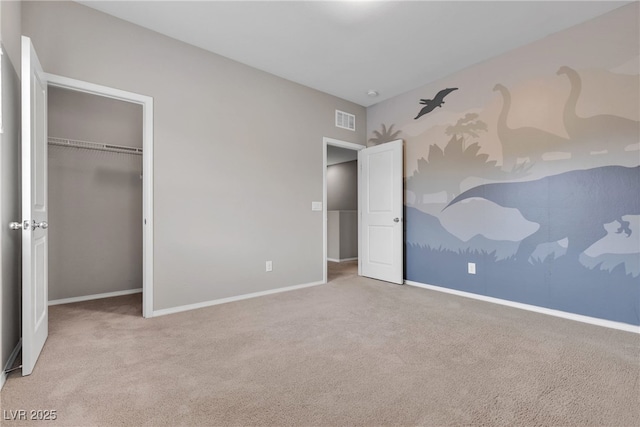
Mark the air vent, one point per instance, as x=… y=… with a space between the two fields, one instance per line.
x=345 y=120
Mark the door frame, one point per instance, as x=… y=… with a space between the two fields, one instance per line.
x=326 y=142
x=147 y=167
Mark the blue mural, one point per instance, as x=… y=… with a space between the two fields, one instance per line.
x=574 y=205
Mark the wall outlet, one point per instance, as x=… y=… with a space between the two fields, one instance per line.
x=269 y=266
x=471 y=268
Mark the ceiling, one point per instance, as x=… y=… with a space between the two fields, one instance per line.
x=346 y=48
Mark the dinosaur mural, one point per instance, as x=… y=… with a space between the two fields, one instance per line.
x=445 y=169
x=437 y=101
x=385 y=135
x=534 y=179
x=573 y=205
x=595 y=133
x=524 y=142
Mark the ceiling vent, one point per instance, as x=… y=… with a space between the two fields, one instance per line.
x=345 y=120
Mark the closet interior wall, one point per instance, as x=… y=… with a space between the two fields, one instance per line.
x=95 y=197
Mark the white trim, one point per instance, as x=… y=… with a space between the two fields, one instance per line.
x=94 y=296
x=188 y=307
x=342 y=260
x=557 y=313
x=147 y=167
x=342 y=144
x=12 y=359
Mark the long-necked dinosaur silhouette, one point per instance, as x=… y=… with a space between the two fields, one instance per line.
x=437 y=101
x=573 y=205
x=595 y=133
x=525 y=141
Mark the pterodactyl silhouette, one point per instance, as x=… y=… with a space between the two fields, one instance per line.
x=431 y=104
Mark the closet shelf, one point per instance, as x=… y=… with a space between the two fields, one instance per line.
x=95 y=146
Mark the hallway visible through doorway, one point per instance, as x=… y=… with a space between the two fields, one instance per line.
x=341 y=270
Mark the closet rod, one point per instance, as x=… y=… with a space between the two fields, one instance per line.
x=95 y=146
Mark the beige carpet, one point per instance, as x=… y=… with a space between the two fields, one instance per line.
x=353 y=352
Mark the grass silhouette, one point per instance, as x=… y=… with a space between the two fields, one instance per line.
x=555 y=283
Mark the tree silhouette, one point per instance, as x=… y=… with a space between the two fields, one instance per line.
x=385 y=136
x=467 y=125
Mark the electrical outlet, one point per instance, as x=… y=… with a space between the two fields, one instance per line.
x=471 y=268
x=269 y=266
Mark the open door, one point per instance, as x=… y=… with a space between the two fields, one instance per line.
x=381 y=249
x=35 y=315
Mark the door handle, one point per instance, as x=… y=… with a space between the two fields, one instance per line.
x=44 y=225
x=16 y=226
x=396 y=219
x=25 y=225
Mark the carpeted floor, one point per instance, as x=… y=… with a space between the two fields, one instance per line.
x=340 y=270
x=353 y=352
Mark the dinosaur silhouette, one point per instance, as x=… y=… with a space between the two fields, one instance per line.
x=525 y=141
x=446 y=169
x=431 y=104
x=573 y=205
x=599 y=132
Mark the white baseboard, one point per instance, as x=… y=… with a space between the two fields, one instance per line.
x=10 y=362
x=231 y=299
x=95 y=296
x=557 y=313
x=342 y=260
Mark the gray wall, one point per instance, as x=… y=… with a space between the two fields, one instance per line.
x=95 y=197
x=237 y=155
x=342 y=186
x=10 y=251
x=348 y=234
x=77 y=115
x=333 y=235
x=342 y=235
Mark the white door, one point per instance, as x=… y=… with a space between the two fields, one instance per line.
x=381 y=230
x=35 y=315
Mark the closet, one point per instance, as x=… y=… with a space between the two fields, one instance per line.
x=95 y=196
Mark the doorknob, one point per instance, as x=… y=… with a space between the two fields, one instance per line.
x=44 y=225
x=396 y=219
x=25 y=225
x=15 y=225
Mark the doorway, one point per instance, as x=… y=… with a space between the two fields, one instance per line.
x=126 y=167
x=94 y=195
x=340 y=206
x=380 y=209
